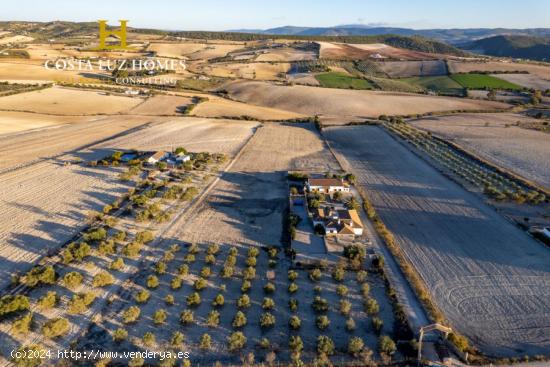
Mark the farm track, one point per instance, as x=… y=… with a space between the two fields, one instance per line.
x=490 y=280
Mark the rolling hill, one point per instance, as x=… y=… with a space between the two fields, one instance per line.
x=524 y=47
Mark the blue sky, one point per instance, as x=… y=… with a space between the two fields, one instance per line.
x=223 y=15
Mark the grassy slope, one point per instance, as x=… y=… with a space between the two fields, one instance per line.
x=482 y=81
x=441 y=84
x=342 y=81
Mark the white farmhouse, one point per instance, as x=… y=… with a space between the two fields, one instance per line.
x=157 y=157
x=326 y=185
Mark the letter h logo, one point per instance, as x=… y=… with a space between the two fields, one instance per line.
x=104 y=34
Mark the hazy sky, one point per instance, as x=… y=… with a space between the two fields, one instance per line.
x=228 y=14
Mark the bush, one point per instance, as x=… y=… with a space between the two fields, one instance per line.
x=72 y=279
x=365 y=290
x=267 y=320
x=345 y=307
x=227 y=272
x=49 y=300
x=132 y=249
x=292 y=288
x=189 y=258
x=239 y=320
x=160 y=267
x=205 y=342
x=342 y=290
x=218 y=301
x=459 y=341
x=107 y=248
x=268 y=303
x=377 y=324
x=322 y=322
x=120 y=335
x=39 y=275
x=315 y=275
x=193 y=300
x=294 y=322
x=293 y=304
x=159 y=317
x=269 y=288
x=339 y=274
x=95 y=234
x=175 y=283
x=265 y=343
x=200 y=284
x=183 y=270
x=295 y=344
x=361 y=276
x=144 y=237
x=152 y=282
x=249 y=273
x=169 y=300
x=251 y=261
x=25 y=357
x=103 y=279
x=236 y=341
x=117 y=264
x=131 y=314
x=292 y=275
x=142 y=296
x=371 y=306
x=386 y=345
x=187 y=317
x=325 y=345
x=245 y=287
x=55 y=328
x=149 y=338
x=177 y=340
x=320 y=304
x=80 y=302
x=243 y=301
x=210 y=259
x=355 y=346
x=206 y=272
x=350 y=324
x=213 y=318
x=22 y=325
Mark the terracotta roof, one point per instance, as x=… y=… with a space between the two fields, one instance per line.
x=158 y=155
x=346 y=230
x=325 y=182
x=355 y=218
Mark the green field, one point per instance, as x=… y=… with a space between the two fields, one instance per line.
x=482 y=81
x=440 y=84
x=342 y=81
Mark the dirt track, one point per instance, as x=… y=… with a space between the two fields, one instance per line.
x=490 y=279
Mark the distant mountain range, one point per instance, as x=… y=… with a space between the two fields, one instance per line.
x=453 y=36
x=524 y=47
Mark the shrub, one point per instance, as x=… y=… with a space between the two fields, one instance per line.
x=315 y=275
x=245 y=287
x=199 y=284
x=117 y=264
x=227 y=271
x=206 y=272
x=253 y=252
x=322 y=322
x=294 y=322
x=268 y=303
x=292 y=275
x=177 y=339
x=193 y=300
x=361 y=276
x=160 y=267
x=120 y=334
x=236 y=341
x=205 y=342
x=243 y=301
x=218 y=301
x=249 y=273
x=149 y=338
x=295 y=344
x=213 y=318
x=365 y=290
x=293 y=304
x=39 y=275
x=342 y=290
x=144 y=237
x=107 y=247
x=187 y=317
x=72 y=279
x=80 y=302
x=169 y=299
x=251 y=261
x=325 y=345
x=175 y=283
x=345 y=307
x=460 y=341
x=48 y=301
x=159 y=317
x=339 y=274
x=22 y=325
x=152 y=281
x=183 y=269
x=292 y=287
x=26 y=355
x=371 y=306
x=267 y=320
x=103 y=279
x=350 y=324
x=269 y=288
x=210 y=259
x=377 y=324
x=55 y=328
x=132 y=249
x=95 y=234
x=142 y=296
x=320 y=304
x=239 y=320
x=317 y=289
x=131 y=314
x=386 y=345
x=355 y=346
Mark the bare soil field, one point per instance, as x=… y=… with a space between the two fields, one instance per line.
x=15 y=39
x=160 y=105
x=286 y=54
x=35 y=71
x=526 y=80
x=14 y=122
x=495 y=138
x=54 y=101
x=193 y=51
x=220 y=107
x=490 y=279
x=404 y=69
x=464 y=67
x=347 y=103
x=343 y=51
x=258 y=70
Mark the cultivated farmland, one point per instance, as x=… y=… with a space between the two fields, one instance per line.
x=482 y=81
x=403 y=69
x=489 y=278
x=541 y=71
x=526 y=80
